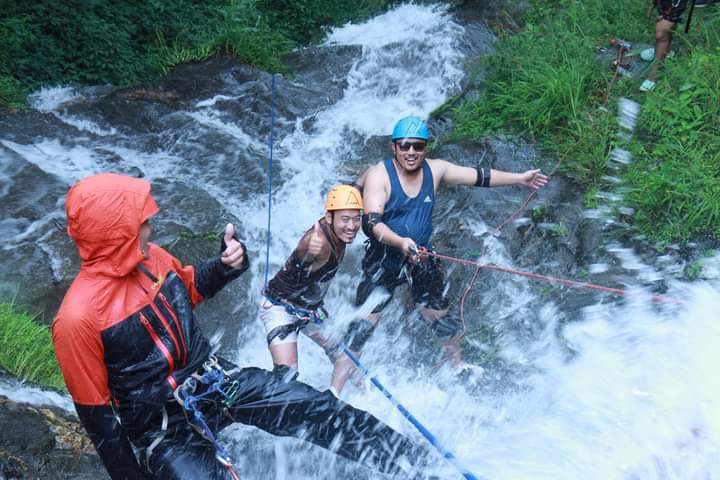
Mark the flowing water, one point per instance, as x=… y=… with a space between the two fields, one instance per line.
x=613 y=390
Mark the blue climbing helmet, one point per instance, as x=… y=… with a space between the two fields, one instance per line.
x=410 y=127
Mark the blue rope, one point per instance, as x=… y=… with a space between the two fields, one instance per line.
x=416 y=423
x=270 y=159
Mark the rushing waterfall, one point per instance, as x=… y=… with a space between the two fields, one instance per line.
x=613 y=390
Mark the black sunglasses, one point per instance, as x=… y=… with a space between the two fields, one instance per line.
x=405 y=146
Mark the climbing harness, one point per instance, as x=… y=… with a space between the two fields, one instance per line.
x=216 y=382
x=304 y=317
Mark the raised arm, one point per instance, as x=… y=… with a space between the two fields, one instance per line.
x=375 y=197
x=453 y=174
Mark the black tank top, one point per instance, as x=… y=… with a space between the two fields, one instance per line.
x=300 y=287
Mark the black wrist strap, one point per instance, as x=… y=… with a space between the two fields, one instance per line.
x=369 y=220
x=483 y=177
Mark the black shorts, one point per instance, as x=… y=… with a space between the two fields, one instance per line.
x=426 y=280
x=671 y=10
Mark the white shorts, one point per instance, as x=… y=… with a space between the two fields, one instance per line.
x=274 y=316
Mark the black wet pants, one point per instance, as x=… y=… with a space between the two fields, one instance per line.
x=285 y=408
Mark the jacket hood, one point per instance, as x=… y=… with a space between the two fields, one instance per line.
x=104 y=215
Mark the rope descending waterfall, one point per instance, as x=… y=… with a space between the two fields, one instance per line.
x=270 y=159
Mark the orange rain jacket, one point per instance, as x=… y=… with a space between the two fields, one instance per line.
x=126 y=335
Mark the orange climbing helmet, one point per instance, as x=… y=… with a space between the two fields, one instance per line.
x=343 y=197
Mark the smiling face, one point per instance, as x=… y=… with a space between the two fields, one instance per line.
x=345 y=223
x=409 y=153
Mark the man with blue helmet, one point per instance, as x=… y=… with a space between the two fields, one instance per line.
x=399 y=196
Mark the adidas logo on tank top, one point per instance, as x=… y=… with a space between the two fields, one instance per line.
x=427 y=199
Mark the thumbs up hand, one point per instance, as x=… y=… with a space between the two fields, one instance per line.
x=234 y=253
x=316 y=242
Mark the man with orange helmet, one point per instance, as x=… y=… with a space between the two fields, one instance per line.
x=293 y=299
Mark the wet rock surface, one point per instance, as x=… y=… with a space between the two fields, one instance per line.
x=44 y=443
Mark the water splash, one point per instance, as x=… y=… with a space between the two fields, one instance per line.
x=54 y=100
x=628 y=111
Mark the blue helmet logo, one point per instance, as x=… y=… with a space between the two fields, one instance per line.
x=410 y=127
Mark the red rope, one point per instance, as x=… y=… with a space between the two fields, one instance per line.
x=517 y=211
x=233 y=473
x=618 y=63
x=525 y=203
x=547 y=278
x=462 y=332
x=498 y=230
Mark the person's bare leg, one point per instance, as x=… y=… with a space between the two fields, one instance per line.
x=663 y=43
x=450 y=346
x=344 y=367
x=285 y=354
x=320 y=340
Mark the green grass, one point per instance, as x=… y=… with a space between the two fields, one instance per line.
x=675 y=179
x=303 y=20
x=12 y=92
x=26 y=349
x=240 y=29
x=546 y=83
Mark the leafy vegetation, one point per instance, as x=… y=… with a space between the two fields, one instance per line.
x=125 y=42
x=547 y=83
x=12 y=93
x=303 y=20
x=675 y=180
x=26 y=348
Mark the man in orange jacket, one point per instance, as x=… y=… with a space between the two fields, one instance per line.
x=129 y=347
